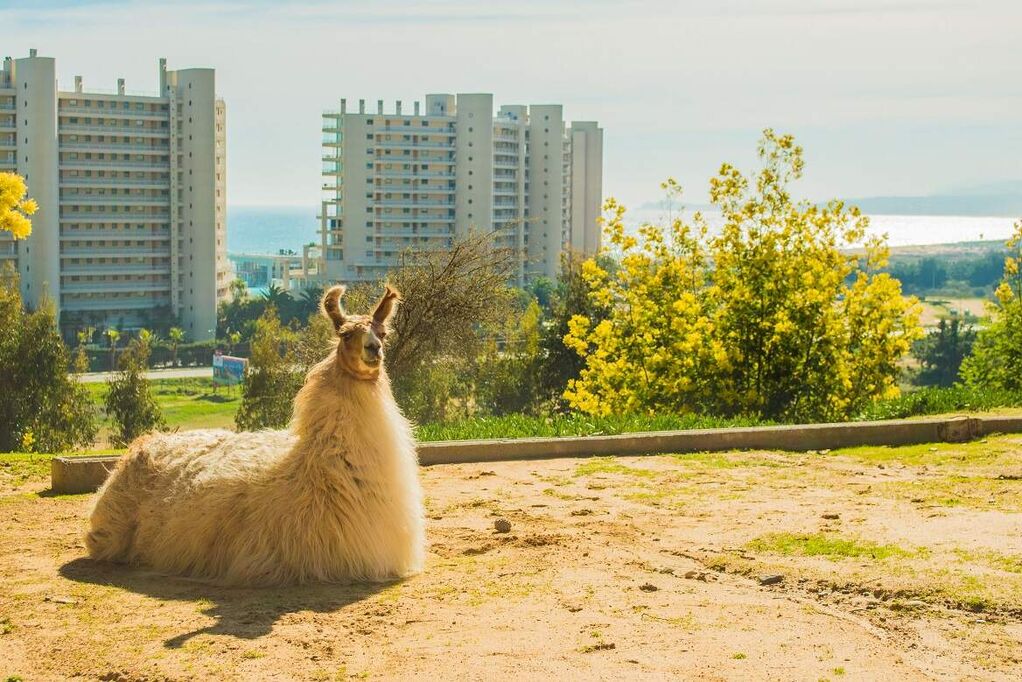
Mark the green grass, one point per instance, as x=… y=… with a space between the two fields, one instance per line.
x=933 y=400
x=976 y=492
x=524 y=426
x=19 y=468
x=825 y=545
x=192 y=404
x=1002 y=562
x=926 y=401
x=996 y=451
x=186 y=403
x=608 y=465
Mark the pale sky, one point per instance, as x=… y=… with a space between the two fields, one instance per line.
x=888 y=96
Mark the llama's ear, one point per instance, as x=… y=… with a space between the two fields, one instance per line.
x=331 y=305
x=387 y=305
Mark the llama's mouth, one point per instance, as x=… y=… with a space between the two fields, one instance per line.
x=372 y=361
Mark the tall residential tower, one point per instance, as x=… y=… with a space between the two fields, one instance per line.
x=132 y=197
x=419 y=180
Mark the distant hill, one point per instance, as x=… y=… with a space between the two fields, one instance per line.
x=996 y=199
x=1001 y=205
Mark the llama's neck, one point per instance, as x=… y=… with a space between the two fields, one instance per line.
x=336 y=413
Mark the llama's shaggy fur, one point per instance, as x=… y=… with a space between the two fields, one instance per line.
x=334 y=498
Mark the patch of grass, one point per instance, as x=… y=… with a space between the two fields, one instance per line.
x=252 y=654
x=728 y=460
x=525 y=426
x=989 y=451
x=976 y=492
x=838 y=671
x=826 y=545
x=1002 y=562
x=933 y=400
x=19 y=468
x=188 y=403
x=609 y=465
x=559 y=495
x=652 y=497
x=739 y=656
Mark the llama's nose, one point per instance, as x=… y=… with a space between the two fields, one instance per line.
x=373 y=347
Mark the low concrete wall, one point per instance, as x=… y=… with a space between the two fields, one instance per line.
x=73 y=475
x=85 y=474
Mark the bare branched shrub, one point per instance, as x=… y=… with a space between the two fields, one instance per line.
x=448 y=298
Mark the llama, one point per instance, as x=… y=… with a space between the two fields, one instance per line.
x=334 y=498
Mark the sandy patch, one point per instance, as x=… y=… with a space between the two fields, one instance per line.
x=882 y=564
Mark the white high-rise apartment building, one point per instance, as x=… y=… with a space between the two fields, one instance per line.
x=132 y=197
x=419 y=180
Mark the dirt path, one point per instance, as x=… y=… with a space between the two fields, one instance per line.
x=893 y=564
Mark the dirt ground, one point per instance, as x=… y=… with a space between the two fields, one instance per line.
x=878 y=563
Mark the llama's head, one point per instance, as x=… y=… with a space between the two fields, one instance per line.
x=360 y=348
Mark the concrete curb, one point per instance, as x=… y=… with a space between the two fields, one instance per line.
x=72 y=475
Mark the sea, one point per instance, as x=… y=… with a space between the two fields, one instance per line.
x=270 y=229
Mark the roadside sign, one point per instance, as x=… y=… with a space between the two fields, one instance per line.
x=228 y=370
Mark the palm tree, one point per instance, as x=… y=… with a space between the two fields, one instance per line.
x=81 y=361
x=85 y=336
x=239 y=290
x=113 y=335
x=175 y=336
x=275 y=294
x=233 y=339
x=310 y=300
x=279 y=299
x=147 y=339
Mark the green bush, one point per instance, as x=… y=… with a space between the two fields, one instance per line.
x=130 y=402
x=941 y=351
x=996 y=360
x=42 y=407
x=271 y=382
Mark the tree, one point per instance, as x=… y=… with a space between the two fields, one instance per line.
x=543 y=289
x=175 y=337
x=277 y=297
x=448 y=298
x=233 y=339
x=129 y=401
x=113 y=336
x=996 y=360
x=43 y=408
x=272 y=380
x=15 y=209
x=770 y=317
x=308 y=301
x=940 y=352
x=508 y=376
x=81 y=360
x=239 y=290
x=572 y=296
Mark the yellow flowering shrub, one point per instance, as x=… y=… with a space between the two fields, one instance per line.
x=14 y=207
x=771 y=316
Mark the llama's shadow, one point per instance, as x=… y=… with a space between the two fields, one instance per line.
x=246 y=613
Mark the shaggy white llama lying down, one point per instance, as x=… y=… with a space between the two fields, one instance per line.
x=335 y=497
